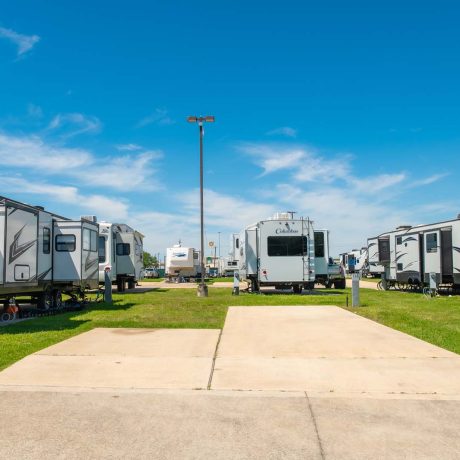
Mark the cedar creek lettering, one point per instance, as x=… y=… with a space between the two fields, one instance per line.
x=285 y=230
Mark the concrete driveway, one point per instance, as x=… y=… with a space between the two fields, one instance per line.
x=278 y=382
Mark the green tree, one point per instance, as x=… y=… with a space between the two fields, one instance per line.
x=149 y=260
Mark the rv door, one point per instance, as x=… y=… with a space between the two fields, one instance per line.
x=433 y=253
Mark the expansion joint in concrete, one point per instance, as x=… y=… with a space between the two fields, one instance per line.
x=214 y=360
x=312 y=414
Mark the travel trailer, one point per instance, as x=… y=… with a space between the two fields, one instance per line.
x=354 y=261
x=418 y=255
x=121 y=250
x=182 y=263
x=278 y=252
x=327 y=272
x=43 y=255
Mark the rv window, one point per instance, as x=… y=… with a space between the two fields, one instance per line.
x=432 y=242
x=286 y=245
x=46 y=240
x=86 y=239
x=102 y=249
x=123 y=249
x=319 y=244
x=399 y=240
x=65 y=243
x=195 y=255
x=400 y=267
x=237 y=243
x=93 y=241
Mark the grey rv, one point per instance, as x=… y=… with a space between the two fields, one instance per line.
x=43 y=255
x=413 y=255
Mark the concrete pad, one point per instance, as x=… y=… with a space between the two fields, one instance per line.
x=163 y=343
x=165 y=426
x=343 y=376
x=315 y=332
x=358 y=429
x=327 y=349
x=121 y=358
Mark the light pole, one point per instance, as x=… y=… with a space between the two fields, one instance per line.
x=218 y=270
x=202 y=288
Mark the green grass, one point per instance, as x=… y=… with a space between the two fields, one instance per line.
x=152 y=280
x=436 y=321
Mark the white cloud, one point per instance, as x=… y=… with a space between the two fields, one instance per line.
x=73 y=124
x=428 y=180
x=286 y=131
x=306 y=164
x=23 y=42
x=159 y=117
x=87 y=204
x=127 y=172
x=128 y=147
x=375 y=184
x=32 y=152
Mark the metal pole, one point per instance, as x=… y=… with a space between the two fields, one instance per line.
x=202 y=288
x=218 y=270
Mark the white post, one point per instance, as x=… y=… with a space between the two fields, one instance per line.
x=355 y=290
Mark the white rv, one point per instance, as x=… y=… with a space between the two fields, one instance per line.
x=278 y=252
x=327 y=272
x=355 y=260
x=120 y=249
x=182 y=263
x=414 y=255
x=43 y=255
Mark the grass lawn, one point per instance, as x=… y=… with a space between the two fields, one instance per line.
x=152 y=280
x=436 y=321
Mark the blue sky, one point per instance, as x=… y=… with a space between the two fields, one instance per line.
x=347 y=112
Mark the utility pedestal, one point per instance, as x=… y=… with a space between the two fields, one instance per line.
x=107 y=286
x=202 y=290
x=236 y=283
x=355 y=290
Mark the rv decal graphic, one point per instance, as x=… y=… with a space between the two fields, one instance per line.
x=90 y=263
x=401 y=255
x=16 y=249
x=179 y=254
x=456 y=248
x=411 y=238
x=12 y=210
x=41 y=276
x=288 y=229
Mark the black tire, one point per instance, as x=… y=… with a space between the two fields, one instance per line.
x=131 y=284
x=45 y=300
x=57 y=299
x=340 y=284
x=297 y=288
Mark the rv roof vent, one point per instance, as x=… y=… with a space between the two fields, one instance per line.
x=40 y=208
x=404 y=227
x=90 y=218
x=288 y=215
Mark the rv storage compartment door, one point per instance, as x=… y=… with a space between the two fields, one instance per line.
x=67 y=255
x=21 y=246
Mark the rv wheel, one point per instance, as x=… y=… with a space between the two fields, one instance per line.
x=57 y=299
x=45 y=300
x=297 y=288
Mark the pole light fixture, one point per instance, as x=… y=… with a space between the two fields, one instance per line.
x=202 y=288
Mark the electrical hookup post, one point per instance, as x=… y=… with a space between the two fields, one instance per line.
x=107 y=285
x=236 y=283
x=355 y=289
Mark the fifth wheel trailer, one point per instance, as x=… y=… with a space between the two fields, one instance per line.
x=121 y=250
x=416 y=255
x=278 y=252
x=42 y=255
x=182 y=262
